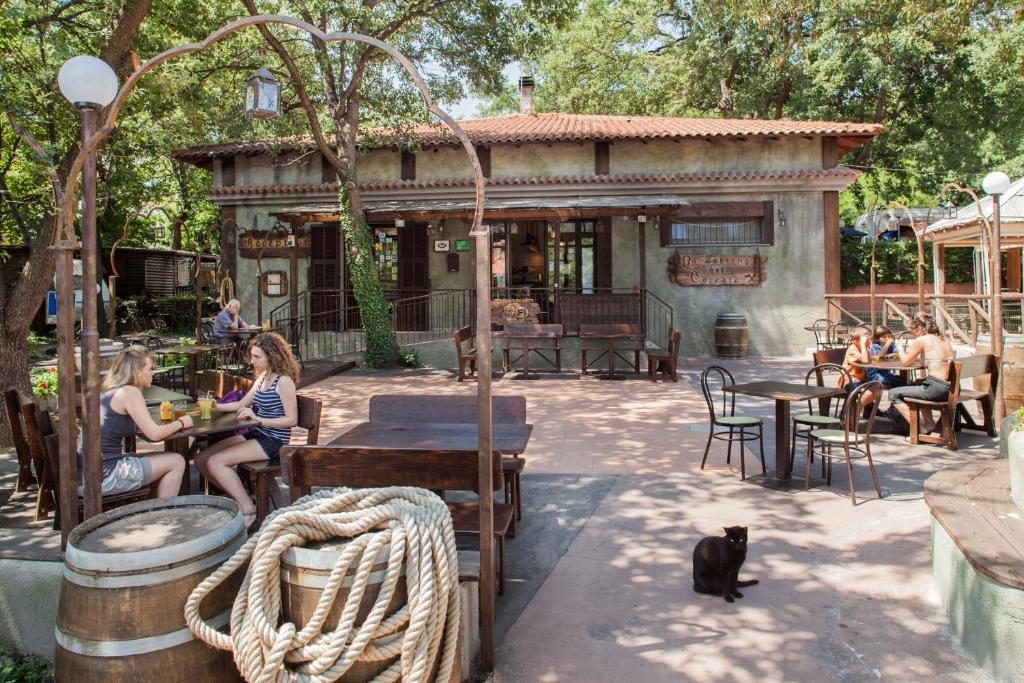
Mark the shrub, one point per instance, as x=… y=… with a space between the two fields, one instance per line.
x=409 y=358
x=44 y=382
x=23 y=668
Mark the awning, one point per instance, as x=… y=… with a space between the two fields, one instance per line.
x=502 y=208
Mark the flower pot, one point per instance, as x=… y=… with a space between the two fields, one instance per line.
x=1015 y=447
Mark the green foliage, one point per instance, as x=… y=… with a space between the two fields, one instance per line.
x=409 y=358
x=1018 y=416
x=36 y=344
x=44 y=382
x=17 y=668
x=176 y=312
x=896 y=263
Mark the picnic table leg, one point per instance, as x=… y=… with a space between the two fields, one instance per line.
x=191 y=367
x=781 y=439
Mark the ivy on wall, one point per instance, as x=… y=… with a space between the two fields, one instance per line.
x=381 y=346
x=896 y=263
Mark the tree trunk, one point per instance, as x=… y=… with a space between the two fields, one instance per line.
x=13 y=372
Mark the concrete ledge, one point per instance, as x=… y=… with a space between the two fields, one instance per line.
x=29 y=594
x=987 y=617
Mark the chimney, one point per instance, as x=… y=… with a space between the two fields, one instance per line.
x=526 y=95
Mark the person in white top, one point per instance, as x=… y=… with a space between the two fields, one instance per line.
x=935 y=350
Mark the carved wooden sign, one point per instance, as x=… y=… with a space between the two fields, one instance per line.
x=512 y=311
x=251 y=243
x=718 y=270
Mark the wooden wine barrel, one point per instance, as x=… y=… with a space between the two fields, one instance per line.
x=1011 y=376
x=732 y=338
x=304 y=573
x=127 y=575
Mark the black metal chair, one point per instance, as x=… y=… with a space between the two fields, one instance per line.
x=826 y=374
x=294 y=338
x=852 y=439
x=839 y=335
x=715 y=378
x=821 y=328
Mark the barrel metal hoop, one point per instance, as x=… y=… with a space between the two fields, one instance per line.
x=150 y=559
x=153 y=578
x=137 y=646
x=296 y=577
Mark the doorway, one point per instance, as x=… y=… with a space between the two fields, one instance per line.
x=401 y=255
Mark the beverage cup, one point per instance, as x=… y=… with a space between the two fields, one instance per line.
x=205 y=408
x=166 y=410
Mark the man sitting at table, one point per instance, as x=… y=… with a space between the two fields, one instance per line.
x=228 y=320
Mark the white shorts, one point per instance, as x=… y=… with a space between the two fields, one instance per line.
x=129 y=473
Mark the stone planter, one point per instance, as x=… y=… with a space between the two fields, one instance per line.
x=1015 y=447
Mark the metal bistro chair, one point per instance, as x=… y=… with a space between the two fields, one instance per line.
x=811 y=420
x=728 y=419
x=294 y=331
x=852 y=440
x=839 y=336
x=821 y=328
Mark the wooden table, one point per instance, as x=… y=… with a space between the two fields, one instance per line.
x=526 y=333
x=155 y=395
x=178 y=442
x=611 y=333
x=510 y=439
x=783 y=393
x=191 y=353
x=892 y=365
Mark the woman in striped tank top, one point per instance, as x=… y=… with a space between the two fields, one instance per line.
x=271 y=402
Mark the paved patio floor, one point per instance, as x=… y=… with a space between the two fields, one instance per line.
x=601 y=590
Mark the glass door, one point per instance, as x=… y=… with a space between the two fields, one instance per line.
x=575 y=257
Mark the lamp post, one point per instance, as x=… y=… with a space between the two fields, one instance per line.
x=995 y=185
x=89 y=84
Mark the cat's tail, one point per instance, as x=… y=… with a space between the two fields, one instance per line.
x=751 y=582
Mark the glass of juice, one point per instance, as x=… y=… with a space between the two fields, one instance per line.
x=205 y=408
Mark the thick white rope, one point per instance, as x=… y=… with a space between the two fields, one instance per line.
x=417 y=526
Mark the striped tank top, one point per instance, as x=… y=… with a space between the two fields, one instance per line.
x=267 y=404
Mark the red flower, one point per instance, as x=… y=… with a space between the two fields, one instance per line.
x=53 y=369
x=42 y=385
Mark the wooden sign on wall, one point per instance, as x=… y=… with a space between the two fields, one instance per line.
x=717 y=270
x=251 y=243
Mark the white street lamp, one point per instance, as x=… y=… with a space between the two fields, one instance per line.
x=996 y=183
x=89 y=84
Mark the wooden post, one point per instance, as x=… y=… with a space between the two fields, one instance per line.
x=1013 y=269
x=642 y=245
x=557 y=252
x=939 y=281
x=833 y=280
x=92 y=463
x=67 y=477
x=996 y=292
x=199 y=298
x=483 y=389
x=112 y=314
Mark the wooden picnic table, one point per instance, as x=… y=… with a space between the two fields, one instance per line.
x=508 y=438
x=527 y=333
x=155 y=395
x=890 y=364
x=611 y=333
x=191 y=353
x=178 y=442
x=783 y=393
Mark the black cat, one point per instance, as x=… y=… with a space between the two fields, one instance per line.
x=717 y=561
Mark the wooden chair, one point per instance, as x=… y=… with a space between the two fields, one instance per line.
x=718 y=377
x=974 y=367
x=853 y=439
x=947 y=412
x=262 y=474
x=829 y=356
x=459 y=409
x=466 y=357
x=309 y=466
x=52 y=445
x=13 y=400
x=663 y=365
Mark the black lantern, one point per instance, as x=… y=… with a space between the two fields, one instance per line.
x=262 y=95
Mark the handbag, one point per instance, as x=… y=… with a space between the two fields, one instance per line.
x=229 y=397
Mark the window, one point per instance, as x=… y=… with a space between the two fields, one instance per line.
x=720 y=224
x=275 y=283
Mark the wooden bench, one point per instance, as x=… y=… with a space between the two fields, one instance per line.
x=423 y=408
x=309 y=466
x=975 y=367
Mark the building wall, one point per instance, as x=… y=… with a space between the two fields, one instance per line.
x=247 y=289
x=687 y=156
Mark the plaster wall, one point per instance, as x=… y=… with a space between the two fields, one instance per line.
x=379 y=165
x=29 y=594
x=626 y=252
x=247 y=289
x=562 y=158
x=286 y=169
x=692 y=156
x=987 y=617
x=778 y=309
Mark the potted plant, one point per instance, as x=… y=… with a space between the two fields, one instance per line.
x=44 y=387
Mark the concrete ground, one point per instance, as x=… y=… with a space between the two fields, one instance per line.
x=615 y=500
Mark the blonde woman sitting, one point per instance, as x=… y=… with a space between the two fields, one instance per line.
x=272 y=403
x=123 y=413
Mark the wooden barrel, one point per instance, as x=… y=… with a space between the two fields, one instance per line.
x=732 y=338
x=1011 y=376
x=127 y=575
x=304 y=573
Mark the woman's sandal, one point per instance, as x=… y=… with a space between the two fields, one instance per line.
x=249 y=520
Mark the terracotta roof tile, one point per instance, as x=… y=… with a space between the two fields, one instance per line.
x=798 y=174
x=554 y=127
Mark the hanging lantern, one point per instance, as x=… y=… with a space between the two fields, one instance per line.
x=949 y=210
x=262 y=95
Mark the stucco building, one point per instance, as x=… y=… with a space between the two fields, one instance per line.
x=579 y=206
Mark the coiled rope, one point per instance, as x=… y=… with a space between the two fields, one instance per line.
x=417 y=526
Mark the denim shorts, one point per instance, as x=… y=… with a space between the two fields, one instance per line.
x=271 y=446
x=127 y=474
